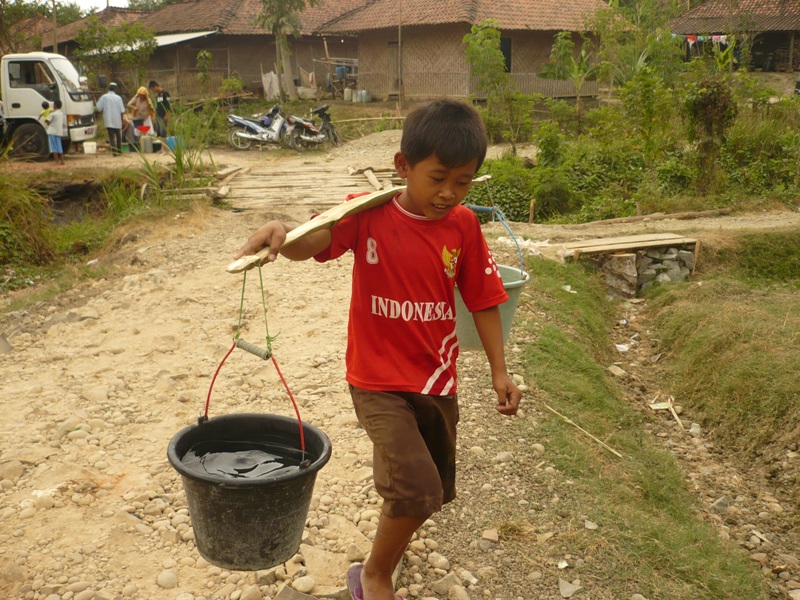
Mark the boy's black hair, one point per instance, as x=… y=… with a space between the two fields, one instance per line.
x=45 y=104
x=57 y=104
x=450 y=130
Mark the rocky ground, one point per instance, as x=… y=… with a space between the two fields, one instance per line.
x=98 y=380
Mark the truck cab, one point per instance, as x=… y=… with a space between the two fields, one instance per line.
x=27 y=80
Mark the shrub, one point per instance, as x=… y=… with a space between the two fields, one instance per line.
x=510 y=189
x=231 y=85
x=25 y=225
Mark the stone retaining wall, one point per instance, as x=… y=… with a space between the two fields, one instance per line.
x=626 y=274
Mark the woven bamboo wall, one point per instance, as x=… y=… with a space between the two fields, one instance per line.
x=373 y=63
x=434 y=63
x=530 y=50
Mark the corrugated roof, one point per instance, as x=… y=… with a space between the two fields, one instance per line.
x=718 y=16
x=540 y=15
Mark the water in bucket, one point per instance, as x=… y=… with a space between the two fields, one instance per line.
x=237 y=460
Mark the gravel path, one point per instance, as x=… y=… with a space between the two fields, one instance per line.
x=98 y=380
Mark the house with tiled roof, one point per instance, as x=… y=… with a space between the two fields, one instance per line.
x=26 y=35
x=770 y=26
x=229 y=31
x=416 y=46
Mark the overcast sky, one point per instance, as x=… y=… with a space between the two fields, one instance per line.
x=98 y=4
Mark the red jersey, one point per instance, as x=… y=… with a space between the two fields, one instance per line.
x=401 y=334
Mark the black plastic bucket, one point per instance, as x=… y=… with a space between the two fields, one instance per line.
x=249 y=524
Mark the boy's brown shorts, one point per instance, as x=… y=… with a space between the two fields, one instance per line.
x=414 y=448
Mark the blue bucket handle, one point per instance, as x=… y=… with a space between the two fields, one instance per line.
x=499 y=216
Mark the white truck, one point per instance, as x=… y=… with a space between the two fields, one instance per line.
x=27 y=80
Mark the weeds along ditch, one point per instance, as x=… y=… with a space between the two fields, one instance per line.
x=49 y=228
x=732 y=346
x=653 y=539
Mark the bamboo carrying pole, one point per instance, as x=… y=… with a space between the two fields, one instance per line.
x=325 y=220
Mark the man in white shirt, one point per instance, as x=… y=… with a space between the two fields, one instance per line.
x=113 y=109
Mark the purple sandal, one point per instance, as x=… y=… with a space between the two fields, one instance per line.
x=354 y=582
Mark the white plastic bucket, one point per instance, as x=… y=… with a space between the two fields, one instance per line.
x=146 y=143
x=348 y=95
x=89 y=147
x=514 y=279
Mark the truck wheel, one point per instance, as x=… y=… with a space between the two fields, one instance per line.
x=29 y=141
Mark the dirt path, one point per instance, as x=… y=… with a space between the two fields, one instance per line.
x=97 y=381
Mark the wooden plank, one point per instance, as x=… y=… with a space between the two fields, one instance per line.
x=630 y=239
x=623 y=247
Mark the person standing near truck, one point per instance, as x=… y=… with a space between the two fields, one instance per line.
x=113 y=109
x=55 y=126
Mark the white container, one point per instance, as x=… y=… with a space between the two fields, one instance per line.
x=514 y=280
x=146 y=143
x=348 y=95
x=356 y=95
x=89 y=147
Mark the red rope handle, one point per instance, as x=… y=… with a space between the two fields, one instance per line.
x=213 y=379
x=285 y=385
x=296 y=411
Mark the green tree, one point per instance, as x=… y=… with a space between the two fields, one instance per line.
x=710 y=110
x=282 y=18
x=633 y=35
x=204 y=60
x=486 y=60
x=648 y=106
x=567 y=64
x=128 y=46
x=508 y=113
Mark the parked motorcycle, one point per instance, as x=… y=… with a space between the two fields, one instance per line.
x=327 y=128
x=269 y=128
x=304 y=134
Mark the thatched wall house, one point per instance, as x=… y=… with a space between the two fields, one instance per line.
x=415 y=46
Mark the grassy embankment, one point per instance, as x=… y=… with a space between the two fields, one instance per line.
x=733 y=356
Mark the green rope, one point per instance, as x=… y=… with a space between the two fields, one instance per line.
x=241 y=309
x=269 y=339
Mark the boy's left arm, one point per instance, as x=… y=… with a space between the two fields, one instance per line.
x=490 y=330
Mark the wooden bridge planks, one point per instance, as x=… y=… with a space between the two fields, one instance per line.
x=624 y=244
x=313 y=186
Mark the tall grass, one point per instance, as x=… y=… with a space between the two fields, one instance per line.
x=733 y=343
x=25 y=217
x=195 y=132
x=653 y=539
